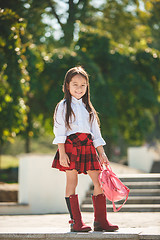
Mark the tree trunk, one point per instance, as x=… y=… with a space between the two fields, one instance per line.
x=27 y=135
x=67 y=28
x=0 y=156
x=157 y=125
x=27 y=147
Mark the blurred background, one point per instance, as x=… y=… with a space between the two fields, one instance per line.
x=118 y=44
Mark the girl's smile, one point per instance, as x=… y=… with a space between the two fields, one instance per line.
x=78 y=86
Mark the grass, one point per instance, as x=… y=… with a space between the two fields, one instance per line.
x=42 y=144
x=8 y=161
x=10 y=151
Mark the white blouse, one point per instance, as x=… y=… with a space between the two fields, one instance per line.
x=80 y=124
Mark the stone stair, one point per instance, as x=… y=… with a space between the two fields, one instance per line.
x=144 y=194
x=47 y=234
x=8 y=192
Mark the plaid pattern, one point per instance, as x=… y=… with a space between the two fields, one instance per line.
x=81 y=152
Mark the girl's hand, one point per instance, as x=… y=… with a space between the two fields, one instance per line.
x=64 y=160
x=103 y=158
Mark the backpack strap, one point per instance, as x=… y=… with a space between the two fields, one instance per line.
x=114 y=207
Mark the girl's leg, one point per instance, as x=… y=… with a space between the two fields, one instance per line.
x=99 y=202
x=94 y=176
x=71 y=182
x=77 y=224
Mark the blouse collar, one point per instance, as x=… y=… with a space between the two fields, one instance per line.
x=75 y=100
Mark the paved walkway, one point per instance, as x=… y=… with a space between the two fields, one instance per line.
x=141 y=225
x=146 y=222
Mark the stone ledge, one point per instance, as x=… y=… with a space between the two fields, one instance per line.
x=51 y=233
x=12 y=208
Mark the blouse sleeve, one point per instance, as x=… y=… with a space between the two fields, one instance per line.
x=97 y=137
x=59 y=128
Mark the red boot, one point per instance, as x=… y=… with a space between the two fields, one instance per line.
x=100 y=215
x=77 y=224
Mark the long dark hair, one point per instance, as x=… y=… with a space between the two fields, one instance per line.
x=67 y=96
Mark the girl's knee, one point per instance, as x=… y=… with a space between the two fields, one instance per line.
x=71 y=187
x=72 y=179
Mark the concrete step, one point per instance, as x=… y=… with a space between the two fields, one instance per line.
x=126 y=208
x=13 y=208
x=144 y=192
x=132 y=200
x=141 y=185
x=145 y=177
x=136 y=192
x=49 y=233
x=8 y=192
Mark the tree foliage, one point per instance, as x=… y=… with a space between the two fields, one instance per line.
x=117 y=42
x=14 y=78
x=128 y=89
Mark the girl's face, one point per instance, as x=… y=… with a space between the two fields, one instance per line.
x=78 y=86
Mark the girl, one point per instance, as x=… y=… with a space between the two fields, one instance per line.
x=77 y=133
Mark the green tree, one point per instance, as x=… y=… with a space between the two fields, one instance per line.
x=34 y=68
x=153 y=9
x=115 y=45
x=129 y=89
x=64 y=13
x=14 y=78
x=32 y=13
x=81 y=10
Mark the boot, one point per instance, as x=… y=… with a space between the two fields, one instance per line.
x=76 y=222
x=100 y=215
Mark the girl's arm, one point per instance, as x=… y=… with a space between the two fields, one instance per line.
x=97 y=137
x=60 y=134
x=102 y=156
x=98 y=141
x=64 y=159
x=59 y=124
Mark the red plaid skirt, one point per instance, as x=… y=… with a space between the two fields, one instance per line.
x=81 y=152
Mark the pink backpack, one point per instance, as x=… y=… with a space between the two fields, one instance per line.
x=112 y=187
